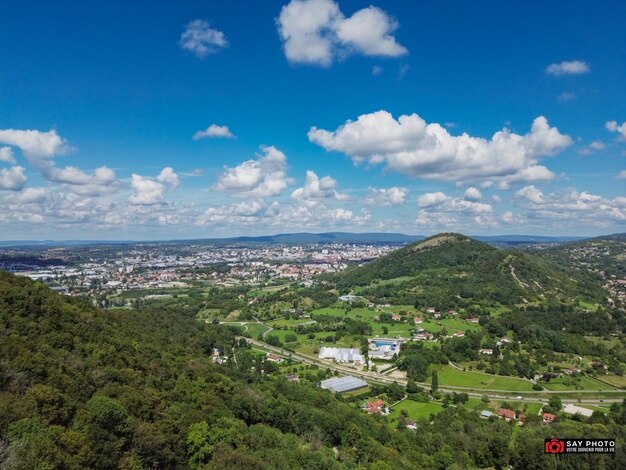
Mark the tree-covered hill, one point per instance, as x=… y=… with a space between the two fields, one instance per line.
x=450 y=266
x=86 y=388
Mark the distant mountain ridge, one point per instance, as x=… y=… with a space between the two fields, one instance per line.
x=305 y=237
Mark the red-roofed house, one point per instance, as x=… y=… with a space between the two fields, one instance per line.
x=507 y=414
x=417 y=320
x=375 y=406
x=274 y=358
x=548 y=418
x=396 y=317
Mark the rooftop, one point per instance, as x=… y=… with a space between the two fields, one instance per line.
x=343 y=384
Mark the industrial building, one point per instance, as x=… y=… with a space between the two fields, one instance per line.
x=343 y=384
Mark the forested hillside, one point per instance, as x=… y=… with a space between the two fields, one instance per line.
x=451 y=268
x=134 y=389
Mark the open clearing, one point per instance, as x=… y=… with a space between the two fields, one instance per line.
x=577 y=383
x=450 y=376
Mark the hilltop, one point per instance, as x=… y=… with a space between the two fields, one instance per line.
x=451 y=266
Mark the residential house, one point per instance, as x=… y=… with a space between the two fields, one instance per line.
x=271 y=357
x=507 y=414
x=503 y=342
x=488 y=352
x=396 y=317
x=548 y=418
x=486 y=414
x=473 y=320
x=418 y=320
x=423 y=336
x=410 y=424
x=375 y=407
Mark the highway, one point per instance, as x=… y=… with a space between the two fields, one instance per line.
x=373 y=377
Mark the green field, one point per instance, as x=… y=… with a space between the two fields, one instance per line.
x=337 y=312
x=588 y=306
x=395 y=280
x=579 y=383
x=256 y=329
x=448 y=375
x=618 y=381
x=289 y=323
x=450 y=324
x=528 y=408
x=497 y=311
x=415 y=410
x=266 y=291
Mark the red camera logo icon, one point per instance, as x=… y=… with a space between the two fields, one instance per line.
x=555 y=446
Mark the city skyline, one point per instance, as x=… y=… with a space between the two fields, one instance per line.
x=216 y=120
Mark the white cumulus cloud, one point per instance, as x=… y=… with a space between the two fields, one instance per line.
x=214 y=131
x=472 y=194
x=573 y=207
x=266 y=176
x=531 y=194
x=445 y=203
x=385 y=197
x=411 y=146
x=613 y=126
x=6 y=155
x=202 y=40
x=35 y=144
x=316 y=32
x=148 y=192
x=568 y=67
x=594 y=146
x=168 y=178
x=442 y=212
x=316 y=188
x=39 y=148
x=13 y=178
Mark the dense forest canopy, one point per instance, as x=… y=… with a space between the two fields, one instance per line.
x=82 y=387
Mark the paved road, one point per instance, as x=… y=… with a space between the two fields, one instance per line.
x=498 y=394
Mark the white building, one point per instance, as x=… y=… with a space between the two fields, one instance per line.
x=342 y=354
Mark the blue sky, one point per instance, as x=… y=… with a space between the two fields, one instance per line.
x=326 y=115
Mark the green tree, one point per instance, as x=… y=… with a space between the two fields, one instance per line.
x=434 y=384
